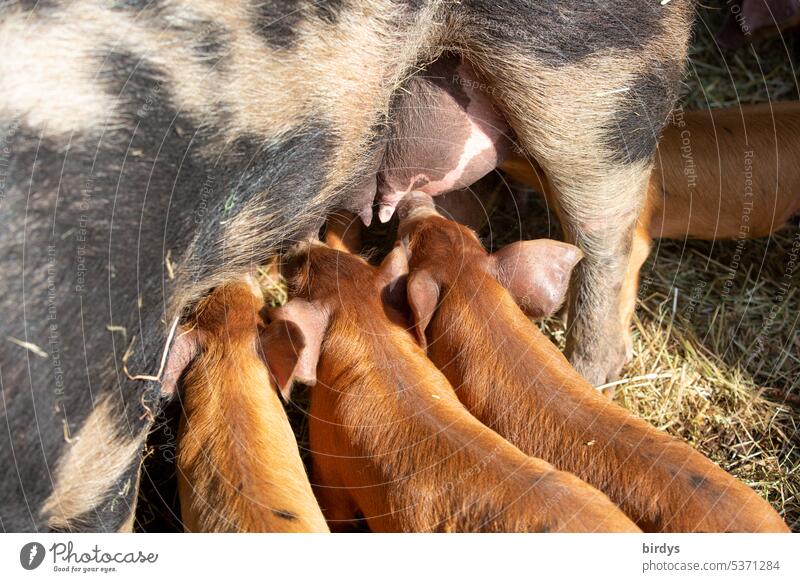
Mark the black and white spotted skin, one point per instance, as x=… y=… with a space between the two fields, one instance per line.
x=150 y=150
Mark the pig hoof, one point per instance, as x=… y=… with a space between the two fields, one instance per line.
x=627 y=339
x=601 y=367
x=609 y=392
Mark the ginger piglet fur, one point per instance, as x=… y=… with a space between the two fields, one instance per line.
x=389 y=438
x=514 y=380
x=239 y=469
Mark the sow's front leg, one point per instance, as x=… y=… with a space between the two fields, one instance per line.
x=587 y=102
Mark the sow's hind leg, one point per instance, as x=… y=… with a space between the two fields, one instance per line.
x=586 y=96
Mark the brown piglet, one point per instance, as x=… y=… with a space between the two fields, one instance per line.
x=389 y=438
x=514 y=380
x=239 y=469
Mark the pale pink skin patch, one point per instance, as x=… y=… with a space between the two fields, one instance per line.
x=483 y=149
x=479 y=151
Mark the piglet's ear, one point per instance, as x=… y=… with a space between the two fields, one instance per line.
x=283 y=343
x=423 y=297
x=292 y=343
x=392 y=278
x=536 y=273
x=395 y=265
x=183 y=350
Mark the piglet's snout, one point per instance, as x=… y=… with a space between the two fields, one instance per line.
x=415 y=203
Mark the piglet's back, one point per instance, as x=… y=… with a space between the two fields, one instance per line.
x=238 y=464
x=515 y=380
x=388 y=428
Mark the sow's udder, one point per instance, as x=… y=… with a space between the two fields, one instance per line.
x=445 y=136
